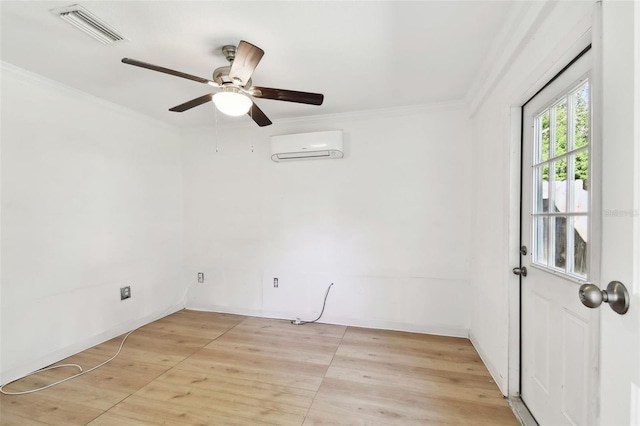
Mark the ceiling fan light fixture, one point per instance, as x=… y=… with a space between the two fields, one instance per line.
x=231 y=102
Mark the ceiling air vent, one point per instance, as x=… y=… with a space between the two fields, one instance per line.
x=84 y=20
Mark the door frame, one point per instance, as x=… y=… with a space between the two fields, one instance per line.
x=590 y=37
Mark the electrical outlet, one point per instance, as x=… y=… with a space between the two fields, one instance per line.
x=275 y=283
x=125 y=292
x=200 y=277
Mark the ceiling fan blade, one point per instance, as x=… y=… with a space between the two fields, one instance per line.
x=247 y=58
x=168 y=71
x=288 y=95
x=258 y=116
x=192 y=103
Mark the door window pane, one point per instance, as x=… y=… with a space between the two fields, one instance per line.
x=581 y=108
x=560 y=127
x=580 y=237
x=541 y=189
x=560 y=186
x=560 y=172
x=580 y=194
x=541 y=240
x=560 y=242
x=543 y=132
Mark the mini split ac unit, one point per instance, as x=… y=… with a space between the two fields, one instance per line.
x=304 y=146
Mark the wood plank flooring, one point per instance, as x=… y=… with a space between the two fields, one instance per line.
x=201 y=368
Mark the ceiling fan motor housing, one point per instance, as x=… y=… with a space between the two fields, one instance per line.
x=221 y=74
x=229 y=52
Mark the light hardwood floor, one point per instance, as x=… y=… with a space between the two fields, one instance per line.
x=200 y=368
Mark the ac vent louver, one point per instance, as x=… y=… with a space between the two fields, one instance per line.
x=87 y=22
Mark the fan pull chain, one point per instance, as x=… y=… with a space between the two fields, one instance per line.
x=252 y=132
x=215 y=113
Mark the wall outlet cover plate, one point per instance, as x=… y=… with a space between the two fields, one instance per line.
x=125 y=292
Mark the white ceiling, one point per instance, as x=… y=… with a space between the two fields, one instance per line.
x=360 y=55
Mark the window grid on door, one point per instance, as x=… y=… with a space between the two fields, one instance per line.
x=560 y=170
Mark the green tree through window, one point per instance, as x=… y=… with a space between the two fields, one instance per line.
x=581 y=136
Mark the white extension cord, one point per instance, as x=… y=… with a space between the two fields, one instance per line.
x=298 y=321
x=82 y=372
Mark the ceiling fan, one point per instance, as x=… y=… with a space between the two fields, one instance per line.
x=235 y=82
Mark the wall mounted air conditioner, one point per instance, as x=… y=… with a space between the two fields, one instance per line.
x=304 y=146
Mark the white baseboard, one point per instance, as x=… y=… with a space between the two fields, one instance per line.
x=497 y=377
x=56 y=356
x=350 y=322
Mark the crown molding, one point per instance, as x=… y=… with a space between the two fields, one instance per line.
x=44 y=82
x=402 y=111
x=33 y=78
x=524 y=19
x=385 y=112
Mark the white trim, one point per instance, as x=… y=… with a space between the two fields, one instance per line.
x=1 y=199
x=53 y=357
x=515 y=151
x=29 y=77
x=523 y=21
x=383 y=112
x=556 y=61
x=391 y=112
x=518 y=31
x=349 y=322
x=635 y=289
x=595 y=218
x=578 y=39
x=495 y=373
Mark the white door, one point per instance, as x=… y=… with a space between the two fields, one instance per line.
x=559 y=335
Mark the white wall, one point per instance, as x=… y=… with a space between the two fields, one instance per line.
x=389 y=224
x=559 y=32
x=91 y=201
